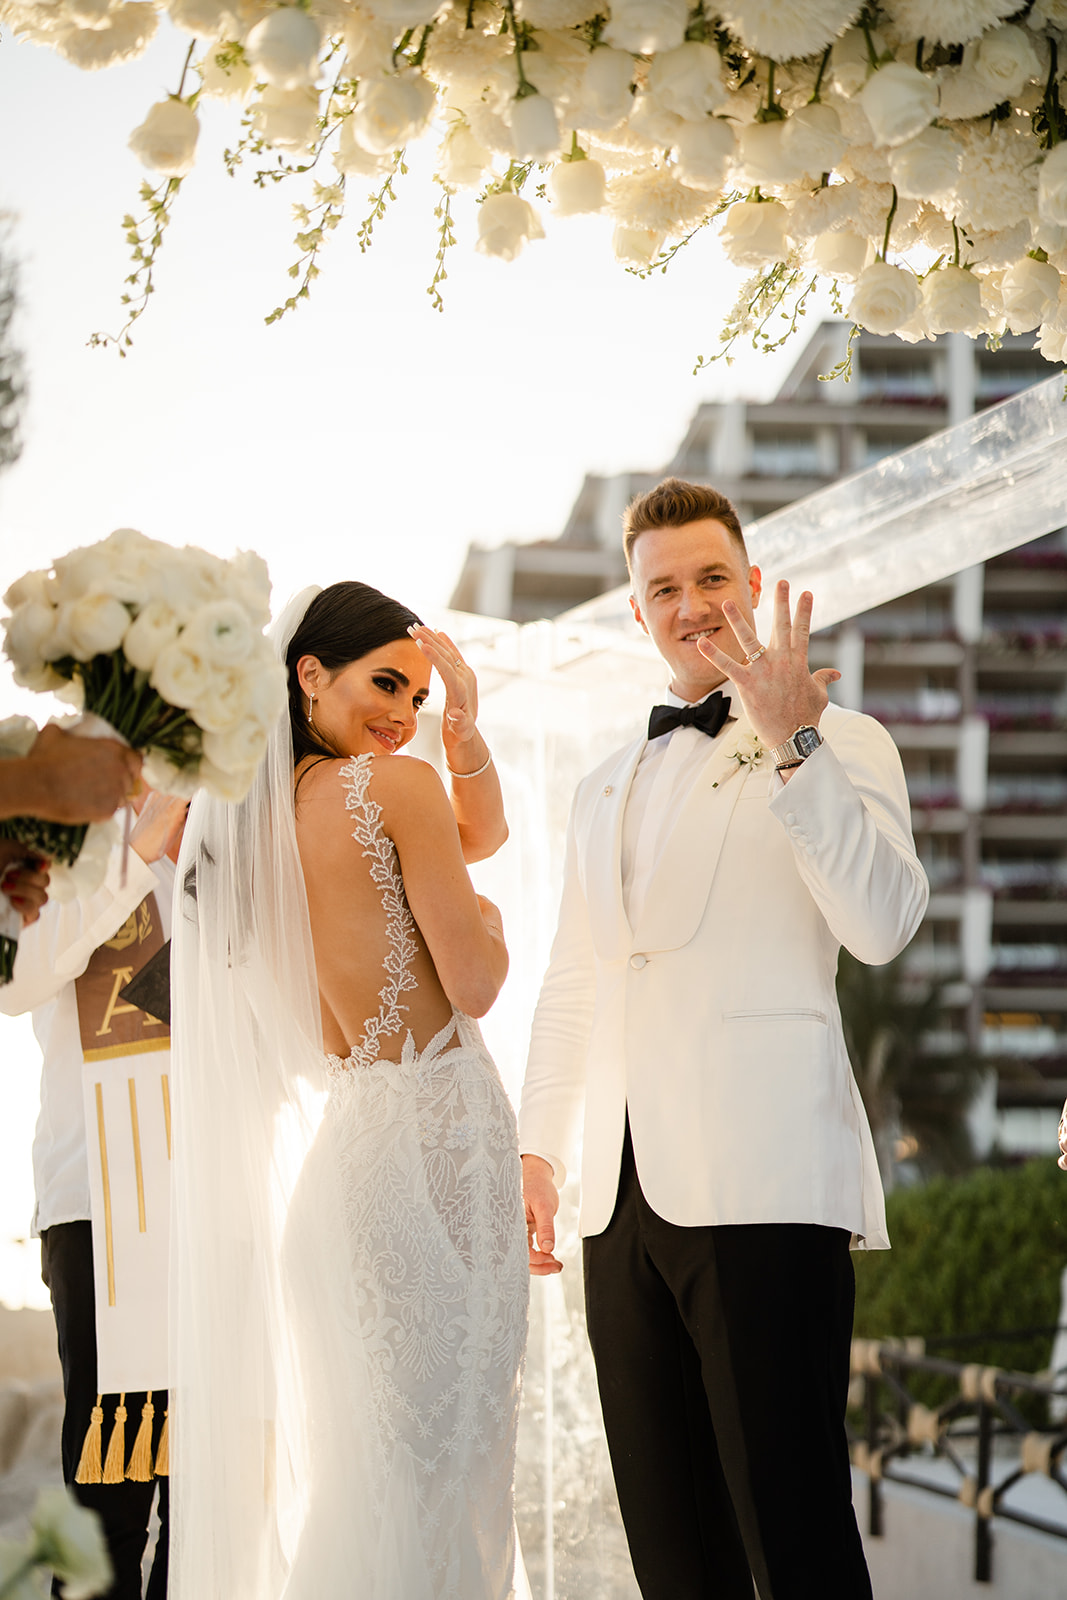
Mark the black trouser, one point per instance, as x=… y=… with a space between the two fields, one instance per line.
x=722 y=1358
x=123 y=1508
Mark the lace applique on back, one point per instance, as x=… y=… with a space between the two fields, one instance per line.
x=380 y=851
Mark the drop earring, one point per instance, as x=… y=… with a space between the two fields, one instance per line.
x=311 y=708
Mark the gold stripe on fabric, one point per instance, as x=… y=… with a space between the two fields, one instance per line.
x=138 y=1168
x=137 y=1048
x=108 y=1233
x=165 y=1080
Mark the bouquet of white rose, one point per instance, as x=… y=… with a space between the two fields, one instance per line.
x=162 y=647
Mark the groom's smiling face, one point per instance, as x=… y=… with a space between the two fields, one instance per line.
x=681 y=576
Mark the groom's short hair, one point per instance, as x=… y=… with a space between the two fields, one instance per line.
x=672 y=504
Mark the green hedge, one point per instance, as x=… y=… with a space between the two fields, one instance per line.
x=971 y=1255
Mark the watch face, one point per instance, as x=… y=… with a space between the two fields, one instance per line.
x=807 y=740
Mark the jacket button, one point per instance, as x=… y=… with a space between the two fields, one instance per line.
x=637 y=962
x=811 y=850
x=790 y=816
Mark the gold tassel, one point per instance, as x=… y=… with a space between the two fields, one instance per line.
x=140 y=1467
x=89 y=1465
x=115 y=1465
x=163 y=1453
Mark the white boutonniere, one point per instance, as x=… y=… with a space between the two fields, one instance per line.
x=748 y=752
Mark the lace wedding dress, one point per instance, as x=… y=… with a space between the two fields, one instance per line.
x=406 y=1271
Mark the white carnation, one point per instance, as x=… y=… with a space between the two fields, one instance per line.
x=88 y=13
x=824 y=211
x=763 y=155
x=636 y=247
x=605 y=95
x=406 y=13
x=654 y=121
x=927 y=166
x=788 y=29
x=287 y=119
x=656 y=201
x=952 y=301
x=556 y=13
x=884 y=298
x=947 y=21
x=126 y=34
x=1030 y=292
x=203 y=18
x=645 y=26
x=369 y=47
x=812 y=138
x=840 y=255
x=998 y=181
x=688 y=80
x=284 y=48
x=1052 y=186
x=899 y=101
x=166 y=139
x=461 y=161
x=534 y=128
x=505 y=222
x=704 y=151
x=392 y=111
x=578 y=187
x=223 y=78
x=555 y=68
x=756 y=233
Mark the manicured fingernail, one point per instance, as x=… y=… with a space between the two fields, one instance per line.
x=411 y=628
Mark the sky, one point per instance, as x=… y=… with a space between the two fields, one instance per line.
x=364 y=436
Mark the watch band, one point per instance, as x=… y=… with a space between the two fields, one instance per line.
x=797 y=748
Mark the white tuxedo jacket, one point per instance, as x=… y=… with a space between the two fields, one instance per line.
x=715 y=1019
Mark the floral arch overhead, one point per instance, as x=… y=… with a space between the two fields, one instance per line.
x=913 y=153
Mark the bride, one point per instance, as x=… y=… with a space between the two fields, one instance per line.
x=350 y=1288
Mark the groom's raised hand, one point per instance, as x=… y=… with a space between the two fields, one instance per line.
x=541 y=1198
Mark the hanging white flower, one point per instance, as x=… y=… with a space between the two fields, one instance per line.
x=644 y=26
x=899 y=101
x=224 y=79
x=461 y=160
x=122 y=35
x=505 y=222
x=534 y=128
x=850 y=62
x=840 y=255
x=166 y=139
x=1052 y=186
x=885 y=297
x=392 y=111
x=756 y=233
x=636 y=247
x=813 y=139
x=284 y=48
x=704 y=150
x=952 y=301
x=927 y=166
x=788 y=29
x=1005 y=60
x=947 y=21
x=998 y=180
x=654 y=121
x=1030 y=291
x=556 y=13
x=688 y=79
x=763 y=155
x=88 y=13
x=604 y=97
x=577 y=187
x=406 y=13
x=206 y=19
x=287 y=119
x=655 y=200
x=556 y=68
x=368 y=47
x=351 y=159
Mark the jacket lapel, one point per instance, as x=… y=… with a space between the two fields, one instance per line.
x=603 y=850
x=676 y=900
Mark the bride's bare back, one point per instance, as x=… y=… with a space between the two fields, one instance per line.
x=450 y=955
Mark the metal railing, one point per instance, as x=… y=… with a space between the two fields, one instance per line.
x=965 y=1432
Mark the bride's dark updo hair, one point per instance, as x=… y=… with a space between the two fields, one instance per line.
x=344 y=622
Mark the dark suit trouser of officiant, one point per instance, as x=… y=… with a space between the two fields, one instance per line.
x=125 y=1509
x=722 y=1358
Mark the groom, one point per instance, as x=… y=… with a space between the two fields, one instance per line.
x=688 y=1020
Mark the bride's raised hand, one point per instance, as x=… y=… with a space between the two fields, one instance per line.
x=461 y=686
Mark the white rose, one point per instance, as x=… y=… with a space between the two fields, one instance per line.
x=181 y=676
x=764 y=156
x=287 y=119
x=1030 y=291
x=70 y=1537
x=850 y=63
x=505 y=222
x=248 y=579
x=578 y=187
x=840 y=255
x=223 y=785
x=160 y=773
x=237 y=750
x=35 y=586
x=461 y=160
x=227 y=702
x=81 y=881
x=688 y=80
x=284 y=48
x=80 y=572
x=392 y=111
x=534 y=128
x=555 y=69
x=605 y=96
x=150 y=631
x=927 y=166
x=704 y=151
x=1005 y=60
x=651 y=119
x=17 y=737
x=952 y=301
x=884 y=298
x=755 y=232
x=645 y=26
x=351 y=158
x=221 y=632
x=899 y=101
x=166 y=139
x=812 y=138
x=636 y=247
x=94 y=625
x=368 y=47
x=25 y=633
x=1052 y=186
x=204 y=18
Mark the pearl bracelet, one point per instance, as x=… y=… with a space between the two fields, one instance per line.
x=486 y=764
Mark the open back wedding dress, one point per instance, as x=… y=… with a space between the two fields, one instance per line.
x=351 y=1282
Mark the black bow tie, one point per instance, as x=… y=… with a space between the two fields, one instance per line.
x=709 y=716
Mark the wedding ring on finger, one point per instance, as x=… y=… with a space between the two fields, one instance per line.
x=754 y=655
